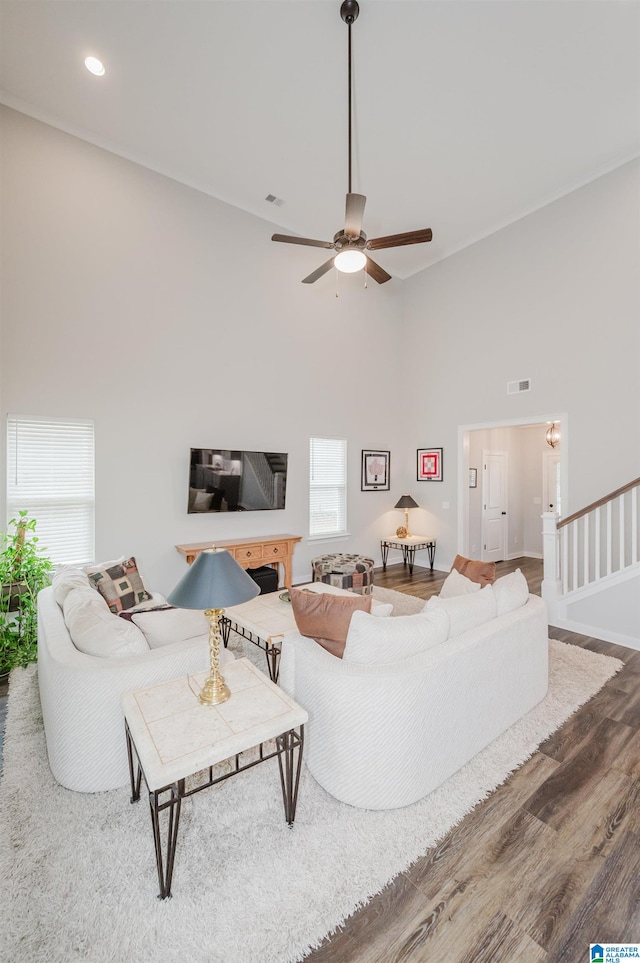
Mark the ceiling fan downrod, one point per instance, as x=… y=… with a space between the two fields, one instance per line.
x=349 y=12
x=350 y=244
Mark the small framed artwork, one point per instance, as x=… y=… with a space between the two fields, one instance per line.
x=375 y=471
x=473 y=478
x=429 y=464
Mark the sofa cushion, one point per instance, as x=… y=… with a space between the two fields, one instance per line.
x=326 y=617
x=466 y=611
x=382 y=610
x=373 y=641
x=96 y=631
x=511 y=591
x=482 y=572
x=119 y=583
x=169 y=624
x=456 y=584
x=66 y=578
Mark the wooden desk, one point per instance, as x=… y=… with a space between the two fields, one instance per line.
x=272 y=550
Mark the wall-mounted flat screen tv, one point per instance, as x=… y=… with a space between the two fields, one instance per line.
x=236 y=481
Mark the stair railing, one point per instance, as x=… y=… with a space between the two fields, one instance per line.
x=592 y=544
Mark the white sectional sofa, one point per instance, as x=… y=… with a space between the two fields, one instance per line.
x=389 y=724
x=80 y=692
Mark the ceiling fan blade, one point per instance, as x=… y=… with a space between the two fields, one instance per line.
x=399 y=240
x=307 y=241
x=376 y=272
x=318 y=272
x=354 y=214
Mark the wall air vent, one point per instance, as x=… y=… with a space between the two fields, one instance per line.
x=515 y=387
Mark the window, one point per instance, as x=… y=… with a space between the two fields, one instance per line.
x=50 y=474
x=327 y=487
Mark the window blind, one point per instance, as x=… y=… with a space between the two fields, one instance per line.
x=50 y=474
x=327 y=486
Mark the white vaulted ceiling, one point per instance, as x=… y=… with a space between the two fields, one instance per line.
x=469 y=114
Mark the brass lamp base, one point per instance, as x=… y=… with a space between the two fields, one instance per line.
x=215 y=691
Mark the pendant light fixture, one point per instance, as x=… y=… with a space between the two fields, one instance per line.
x=552 y=436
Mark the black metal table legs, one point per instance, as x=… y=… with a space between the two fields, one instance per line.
x=271 y=651
x=289 y=748
x=289 y=744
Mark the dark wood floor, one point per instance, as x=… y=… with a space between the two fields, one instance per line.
x=545 y=866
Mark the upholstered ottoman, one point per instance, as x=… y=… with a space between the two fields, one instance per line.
x=351 y=572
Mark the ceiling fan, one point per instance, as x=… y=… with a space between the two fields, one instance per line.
x=351 y=242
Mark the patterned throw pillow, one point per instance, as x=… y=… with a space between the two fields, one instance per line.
x=120 y=584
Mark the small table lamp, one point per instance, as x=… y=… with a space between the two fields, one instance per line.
x=214 y=581
x=406 y=502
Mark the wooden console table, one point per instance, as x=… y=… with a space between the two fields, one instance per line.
x=273 y=550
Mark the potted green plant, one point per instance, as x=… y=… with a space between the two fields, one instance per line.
x=24 y=570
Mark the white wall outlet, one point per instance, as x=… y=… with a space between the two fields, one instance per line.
x=445 y=504
x=537 y=500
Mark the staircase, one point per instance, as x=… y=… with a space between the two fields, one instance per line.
x=591 y=578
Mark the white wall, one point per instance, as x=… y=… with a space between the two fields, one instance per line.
x=173 y=321
x=555 y=298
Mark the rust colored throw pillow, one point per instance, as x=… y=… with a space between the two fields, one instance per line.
x=482 y=572
x=325 y=617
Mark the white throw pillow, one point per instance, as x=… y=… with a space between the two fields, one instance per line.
x=456 y=584
x=382 y=610
x=67 y=578
x=511 y=592
x=171 y=625
x=466 y=611
x=96 y=631
x=372 y=640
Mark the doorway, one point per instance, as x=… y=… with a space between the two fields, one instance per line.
x=533 y=477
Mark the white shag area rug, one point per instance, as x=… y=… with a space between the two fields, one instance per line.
x=77 y=872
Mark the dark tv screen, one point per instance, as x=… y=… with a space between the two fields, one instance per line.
x=236 y=481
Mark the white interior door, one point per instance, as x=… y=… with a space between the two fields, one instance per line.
x=494 y=506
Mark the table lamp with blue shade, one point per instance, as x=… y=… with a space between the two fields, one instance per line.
x=214 y=581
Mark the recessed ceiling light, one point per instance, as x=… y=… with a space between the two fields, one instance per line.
x=94 y=66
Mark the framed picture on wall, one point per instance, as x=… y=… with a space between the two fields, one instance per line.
x=429 y=464
x=375 y=471
x=473 y=478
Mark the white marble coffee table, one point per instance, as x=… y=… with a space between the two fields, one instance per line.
x=265 y=619
x=171 y=736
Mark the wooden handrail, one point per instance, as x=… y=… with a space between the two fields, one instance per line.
x=601 y=501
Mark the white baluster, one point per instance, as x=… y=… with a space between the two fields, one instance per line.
x=585 y=551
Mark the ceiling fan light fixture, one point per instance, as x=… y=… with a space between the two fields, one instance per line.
x=94 y=66
x=350 y=261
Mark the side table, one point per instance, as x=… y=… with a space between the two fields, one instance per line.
x=171 y=736
x=408 y=546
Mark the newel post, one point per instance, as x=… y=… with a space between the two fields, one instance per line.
x=551 y=586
